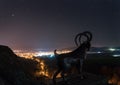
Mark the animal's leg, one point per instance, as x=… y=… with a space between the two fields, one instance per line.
x=54 y=76
x=62 y=75
x=78 y=67
x=81 y=68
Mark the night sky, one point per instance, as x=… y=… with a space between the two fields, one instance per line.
x=53 y=24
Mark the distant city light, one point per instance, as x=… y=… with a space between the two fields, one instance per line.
x=111 y=49
x=51 y=56
x=44 y=53
x=31 y=54
x=99 y=52
x=116 y=55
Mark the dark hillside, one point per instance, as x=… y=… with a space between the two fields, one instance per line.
x=15 y=70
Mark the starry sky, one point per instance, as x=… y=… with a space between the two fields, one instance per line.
x=51 y=24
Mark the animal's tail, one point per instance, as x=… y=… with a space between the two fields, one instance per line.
x=55 y=53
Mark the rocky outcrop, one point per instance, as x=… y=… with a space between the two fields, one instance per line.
x=15 y=70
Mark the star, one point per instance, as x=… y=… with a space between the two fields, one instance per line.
x=12 y=15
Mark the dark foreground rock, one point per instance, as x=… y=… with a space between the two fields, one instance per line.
x=15 y=70
x=90 y=79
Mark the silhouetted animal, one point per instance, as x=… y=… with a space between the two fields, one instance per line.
x=77 y=54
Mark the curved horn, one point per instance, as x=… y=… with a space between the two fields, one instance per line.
x=89 y=34
x=76 y=38
x=83 y=34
